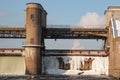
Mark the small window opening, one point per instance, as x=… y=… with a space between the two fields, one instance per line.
x=32 y=17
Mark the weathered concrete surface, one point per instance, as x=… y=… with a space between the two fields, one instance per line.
x=116 y=58
x=34 y=39
x=12 y=65
x=113 y=43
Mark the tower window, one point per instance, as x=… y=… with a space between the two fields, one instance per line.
x=32 y=41
x=32 y=17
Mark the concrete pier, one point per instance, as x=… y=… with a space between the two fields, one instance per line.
x=34 y=39
x=112 y=14
x=115 y=70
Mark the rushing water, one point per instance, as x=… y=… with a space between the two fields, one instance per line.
x=98 y=66
x=12 y=65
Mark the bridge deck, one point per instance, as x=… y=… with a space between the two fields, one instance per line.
x=12 y=32
x=58 y=33
x=74 y=33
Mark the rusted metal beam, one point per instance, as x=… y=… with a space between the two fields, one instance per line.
x=54 y=52
x=58 y=52
x=12 y=32
x=21 y=31
x=75 y=33
x=72 y=50
x=12 y=49
x=102 y=55
x=58 y=33
x=11 y=52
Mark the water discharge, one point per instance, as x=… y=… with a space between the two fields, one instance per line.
x=85 y=65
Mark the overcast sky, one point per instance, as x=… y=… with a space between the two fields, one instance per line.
x=86 y=13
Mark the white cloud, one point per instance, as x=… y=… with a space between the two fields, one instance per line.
x=77 y=45
x=89 y=20
x=92 y=20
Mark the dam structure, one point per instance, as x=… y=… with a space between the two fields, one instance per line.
x=35 y=59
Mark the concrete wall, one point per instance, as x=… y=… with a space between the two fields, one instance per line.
x=115 y=70
x=12 y=65
x=113 y=43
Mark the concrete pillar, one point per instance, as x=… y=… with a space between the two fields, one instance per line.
x=33 y=47
x=113 y=43
x=115 y=71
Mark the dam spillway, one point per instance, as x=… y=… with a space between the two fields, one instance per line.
x=33 y=60
x=87 y=64
x=75 y=62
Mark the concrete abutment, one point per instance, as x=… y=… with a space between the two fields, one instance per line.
x=113 y=13
x=115 y=61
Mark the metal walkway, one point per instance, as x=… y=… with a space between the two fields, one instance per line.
x=57 y=33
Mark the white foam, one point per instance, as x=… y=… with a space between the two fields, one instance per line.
x=99 y=65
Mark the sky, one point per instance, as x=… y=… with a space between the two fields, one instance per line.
x=60 y=12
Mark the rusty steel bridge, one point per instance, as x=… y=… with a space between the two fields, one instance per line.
x=54 y=52
x=56 y=33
